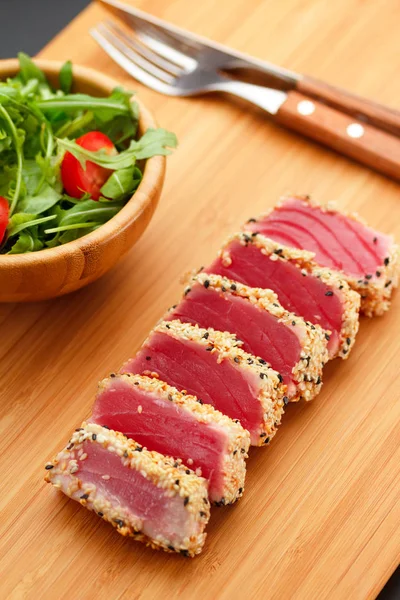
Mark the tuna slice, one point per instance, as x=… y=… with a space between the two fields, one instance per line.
x=366 y=258
x=143 y=494
x=319 y=296
x=210 y=365
x=162 y=419
x=288 y=344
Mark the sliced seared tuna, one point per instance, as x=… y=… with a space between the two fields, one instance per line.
x=320 y=296
x=210 y=365
x=366 y=258
x=143 y=494
x=160 y=418
x=285 y=341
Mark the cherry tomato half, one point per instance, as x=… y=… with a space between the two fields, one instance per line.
x=78 y=181
x=4 y=211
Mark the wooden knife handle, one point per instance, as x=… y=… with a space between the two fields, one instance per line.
x=345 y=134
x=376 y=114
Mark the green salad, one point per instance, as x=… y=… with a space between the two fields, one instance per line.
x=68 y=162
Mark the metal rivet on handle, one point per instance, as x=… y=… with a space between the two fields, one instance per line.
x=306 y=108
x=355 y=130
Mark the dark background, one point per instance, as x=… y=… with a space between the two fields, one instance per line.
x=29 y=25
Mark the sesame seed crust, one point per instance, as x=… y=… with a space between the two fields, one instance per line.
x=161 y=470
x=307 y=372
x=375 y=291
x=271 y=390
x=303 y=260
x=238 y=438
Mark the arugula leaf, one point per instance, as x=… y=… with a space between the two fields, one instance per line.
x=28 y=69
x=121 y=183
x=21 y=221
x=40 y=203
x=153 y=142
x=104 y=109
x=18 y=141
x=65 y=77
x=25 y=243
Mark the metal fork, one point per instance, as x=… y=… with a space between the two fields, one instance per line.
x=176 y=73
x=171 y=72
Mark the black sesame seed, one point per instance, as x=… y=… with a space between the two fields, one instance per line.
x=233 y=287
x=318 y=380
x=386 y=261
x=285 y=400
x=223 y=289
x=280 y=377
x=329 y=293
x=100 y=514
x=344 y=351
x=112 y=375
x=369 y=276
x=261 y=375
x=171 y=548
x=236 y=359
x=176 y=464
x=312 y=327
x=240 y=490
x=70 y=446
x=250 y=361
x=234 y=452
x=378 y=273
x=293 y=323
x=79 y=429
x=202 y=514
x=242 y=450
x=206 y=335
x=170 y=398
x=135 y=383
x=176 y=481
x=186 y=501
x=252 y=220
x=48 y=467
x=348 y=340
x=105 y=426
x=327 y=337
x=138 y=449
x=200 y=401
x=340 y=287
x=388 y=283
x=205 y=500
x=94 y=437
x=185 y=552
x=206 y=283
x=148 y=357
x=84 y=496
x=187 y=471
x=263 y=434
x=167 y=326
x=119 y=522
x=126 y=454
x=375 y=240
x=262 y=361
x=209 y=348
x=266 y=441
x=187 y=291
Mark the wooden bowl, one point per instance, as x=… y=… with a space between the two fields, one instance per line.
x=56 y=271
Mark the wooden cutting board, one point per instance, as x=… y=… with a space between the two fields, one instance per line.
x=320 y=517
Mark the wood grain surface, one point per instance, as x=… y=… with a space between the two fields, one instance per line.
x=320 y=517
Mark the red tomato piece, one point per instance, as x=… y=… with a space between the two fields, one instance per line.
x=78 y=181
x=4 y=212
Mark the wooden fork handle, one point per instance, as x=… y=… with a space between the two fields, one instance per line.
x=376 y=114
x=345 y=134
